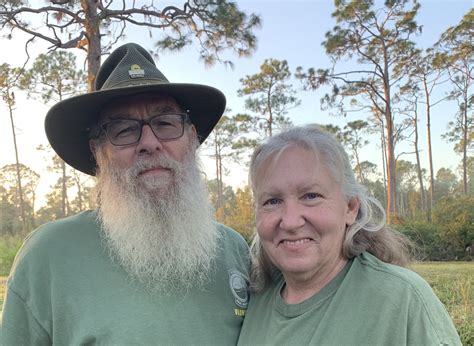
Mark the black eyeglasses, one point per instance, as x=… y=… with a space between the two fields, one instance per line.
x=126 y=131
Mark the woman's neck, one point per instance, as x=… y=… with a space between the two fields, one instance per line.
x=299 y=288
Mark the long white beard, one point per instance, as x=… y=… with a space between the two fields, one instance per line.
x=160 y=230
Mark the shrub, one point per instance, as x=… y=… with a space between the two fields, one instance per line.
x=9 y=246
x=426 y=238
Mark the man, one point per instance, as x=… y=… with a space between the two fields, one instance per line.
x=150 y=266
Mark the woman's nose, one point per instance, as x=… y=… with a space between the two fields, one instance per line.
x=292 y=216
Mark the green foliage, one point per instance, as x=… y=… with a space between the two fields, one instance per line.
x=426 y=237
x=453 y=283
x=455 y=218
x=379 y=38
x=8 y=81
x=10 y=201
x=454 y=53
x=445 y=184
x=54 y=76
x=449 y=233
x=8 y=248
x=242 y=215
x=236 y=210
x=216 y=26
x=269 y=95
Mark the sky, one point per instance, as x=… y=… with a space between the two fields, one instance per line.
x=291 y=30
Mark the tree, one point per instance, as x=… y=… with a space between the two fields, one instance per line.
x=95 y=26
x=423 y=80
x=455 y=53
x=334 y=130
x=380 y=39
x=242 y=215
x=227 y=202
x=456 y=222
x=55 y=76
x=372 y=180
x=228 y=141
x=8 y=81
x=446 y=182
x=269 y=96
x=8 y=211
x=70 y=182
x=410 y=93
x=30 y=179
x=354 y=139
x=85 y=197
x=407 y=176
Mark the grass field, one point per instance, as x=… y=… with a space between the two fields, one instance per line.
x=453 y=283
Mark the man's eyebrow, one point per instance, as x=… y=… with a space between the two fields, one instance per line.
x=165 y=109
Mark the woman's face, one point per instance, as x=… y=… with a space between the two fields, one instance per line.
x=302 y=215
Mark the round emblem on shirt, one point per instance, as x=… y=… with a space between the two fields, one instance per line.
x=238 y=285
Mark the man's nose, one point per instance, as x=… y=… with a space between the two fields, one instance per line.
x=148 y=142
x=292 y=216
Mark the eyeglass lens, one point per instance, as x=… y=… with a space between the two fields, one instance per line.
x=128 y=131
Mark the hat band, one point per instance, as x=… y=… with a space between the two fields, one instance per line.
x=136 y=82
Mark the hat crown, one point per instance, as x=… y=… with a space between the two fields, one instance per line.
x=129 y=70
x=128 y=65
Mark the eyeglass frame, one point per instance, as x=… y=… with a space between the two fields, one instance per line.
x=147 y=121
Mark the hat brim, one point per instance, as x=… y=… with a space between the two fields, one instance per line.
x=68 y=122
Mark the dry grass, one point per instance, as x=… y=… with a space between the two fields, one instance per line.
x=2 y=291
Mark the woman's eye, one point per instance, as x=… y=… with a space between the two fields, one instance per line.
x=271 y=201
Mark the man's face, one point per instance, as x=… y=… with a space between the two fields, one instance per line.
x=155 y=217
x=149 y=146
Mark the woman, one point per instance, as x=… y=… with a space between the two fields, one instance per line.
x=326 y=269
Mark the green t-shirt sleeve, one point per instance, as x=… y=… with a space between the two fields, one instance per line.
x=428 y=321
x=373 y=303
x=18 y=325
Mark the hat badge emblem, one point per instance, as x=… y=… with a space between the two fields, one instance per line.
x=136 y=71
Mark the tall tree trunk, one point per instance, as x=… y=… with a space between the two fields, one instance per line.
x=94 y=49
x=79 y=190
x=64 y=210
x=430 y=153
x=391 y=173
x=465 y=128
x=10 y=101
x=359 y=168
x=33 y=213
x=391 y=169
x=384 y=160
x=418 y=164
x=219 y=186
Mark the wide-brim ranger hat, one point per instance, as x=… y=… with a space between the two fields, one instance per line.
x=129 y=70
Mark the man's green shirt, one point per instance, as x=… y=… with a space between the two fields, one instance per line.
x=64 y=289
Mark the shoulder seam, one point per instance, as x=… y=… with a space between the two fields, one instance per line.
x=413 y=288
x=12 y=290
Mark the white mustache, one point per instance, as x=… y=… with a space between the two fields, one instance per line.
x=161 y=161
